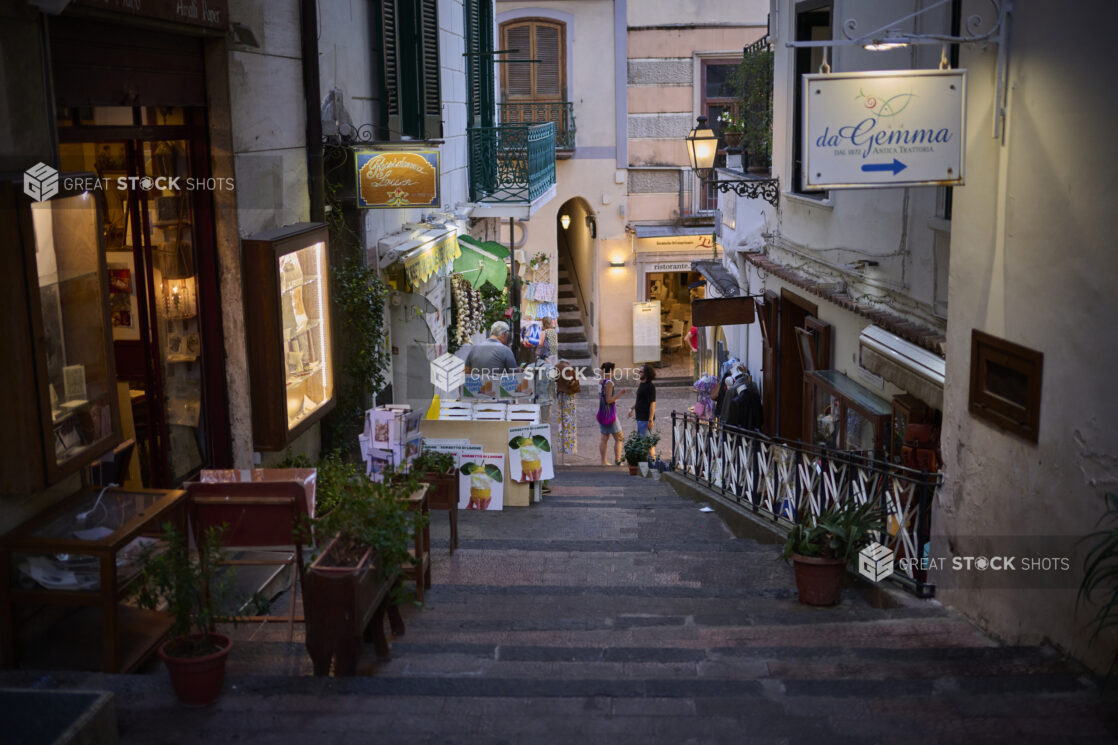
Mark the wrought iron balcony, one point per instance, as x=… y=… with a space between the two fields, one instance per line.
x=559 y=113
x=511 y=162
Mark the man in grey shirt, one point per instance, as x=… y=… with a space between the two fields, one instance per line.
x=492 y=356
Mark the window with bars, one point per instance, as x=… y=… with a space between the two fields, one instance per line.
x=409 y=36
x=536 y=68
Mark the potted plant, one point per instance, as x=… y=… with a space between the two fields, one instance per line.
x=730 y=127
x=1099 y=586
x=437 y=469
x=637 y=449
x=354 y=581
x=195 y=595
x=820 y=548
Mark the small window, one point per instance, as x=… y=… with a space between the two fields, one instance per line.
x=1005 y=380
x=813 y=23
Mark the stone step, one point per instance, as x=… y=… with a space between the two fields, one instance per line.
x=569 y=296
x=572 y=336
x=567 y=307
x=566 y=288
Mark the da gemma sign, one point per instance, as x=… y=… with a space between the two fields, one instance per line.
x=881 y=129
x=395 y=179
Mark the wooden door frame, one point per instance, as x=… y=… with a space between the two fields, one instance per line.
x=794 y=310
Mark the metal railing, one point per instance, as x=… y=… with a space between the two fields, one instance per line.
x=511 y=163
x=785 y=482
x=559 y=113
x=697 y=199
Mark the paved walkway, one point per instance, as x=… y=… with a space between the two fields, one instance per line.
x=617 y=612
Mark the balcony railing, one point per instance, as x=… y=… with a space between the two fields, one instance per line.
x=559 y=113
x=785 y=482
x=511 y=163
x=698 y=201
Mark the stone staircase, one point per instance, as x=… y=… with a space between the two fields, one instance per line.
x=573 y=345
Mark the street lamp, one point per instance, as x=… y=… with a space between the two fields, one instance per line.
x=565 y=221
x=702 y=144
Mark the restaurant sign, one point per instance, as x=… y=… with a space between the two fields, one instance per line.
x=701 y=243
x=397 y=179
x=884 y=129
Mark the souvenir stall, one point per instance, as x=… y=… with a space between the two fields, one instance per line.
x=538 y=310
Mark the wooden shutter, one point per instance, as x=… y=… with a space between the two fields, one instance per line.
x=821 y=333
x=549 y=71
x=517 y=75
x=479 y=62
x=429 y=67
x=390 y=50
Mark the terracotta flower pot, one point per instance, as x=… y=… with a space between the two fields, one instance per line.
x=634 y=469
x=197 y=680
x=818 y=581
x=733 y=139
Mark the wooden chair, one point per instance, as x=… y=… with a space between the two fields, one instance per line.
x=265 y=515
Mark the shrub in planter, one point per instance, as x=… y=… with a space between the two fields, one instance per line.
x=637 y=449
x=196 y=596
x=366 y=529
x=820 y=548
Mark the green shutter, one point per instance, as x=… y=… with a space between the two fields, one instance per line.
x=390 y=51
x=429 y=69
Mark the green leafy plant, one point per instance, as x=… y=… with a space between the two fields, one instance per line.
x=432 y=461
x=496 y=303
x=1100 y=578
x=753 y=82
x=196 y=594
x=728 y=122
x=637 y=447
x=358 y=298
x=366 y=514
x=839 y=533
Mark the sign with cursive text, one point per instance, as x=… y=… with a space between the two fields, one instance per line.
x=205 y=13
x=884 y=129
x=397 y=179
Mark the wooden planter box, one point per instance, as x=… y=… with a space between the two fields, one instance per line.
x=343 y=607
x=443 y=495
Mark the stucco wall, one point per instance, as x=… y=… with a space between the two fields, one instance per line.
x=1032 y=261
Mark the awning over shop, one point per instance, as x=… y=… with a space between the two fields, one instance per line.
x=717 y=276
x=426 y=259
x=481 y=262
x=904 y=364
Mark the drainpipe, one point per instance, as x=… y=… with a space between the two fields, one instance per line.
x=308 y=17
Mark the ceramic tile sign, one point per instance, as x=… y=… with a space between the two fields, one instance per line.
x=397 y=179
x=530 y=454
x=884 y=129
x=481 y=482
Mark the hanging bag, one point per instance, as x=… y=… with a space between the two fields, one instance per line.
x=607 y=413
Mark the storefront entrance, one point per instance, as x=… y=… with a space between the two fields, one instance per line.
x=153 y=234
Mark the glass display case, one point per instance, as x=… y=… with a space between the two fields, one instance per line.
x=288 y=327
x=83 y=553
x=843 y=415
x=60 y=393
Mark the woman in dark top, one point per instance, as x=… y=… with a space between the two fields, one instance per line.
x=645 y=407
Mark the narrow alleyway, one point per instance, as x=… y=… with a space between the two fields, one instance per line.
x=618 y=612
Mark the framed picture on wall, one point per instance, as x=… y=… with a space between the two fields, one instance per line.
x=123 y=305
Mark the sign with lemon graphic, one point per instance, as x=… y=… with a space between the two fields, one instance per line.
x=481 y=482
x=530 y=454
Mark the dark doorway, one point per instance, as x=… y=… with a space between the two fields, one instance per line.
x=794 y=311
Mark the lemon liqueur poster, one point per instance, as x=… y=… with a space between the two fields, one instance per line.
x=530 y=453
x=395 y=179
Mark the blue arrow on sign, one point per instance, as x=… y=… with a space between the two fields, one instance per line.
x=896 y=166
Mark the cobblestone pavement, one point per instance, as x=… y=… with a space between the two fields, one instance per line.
x=617 y=612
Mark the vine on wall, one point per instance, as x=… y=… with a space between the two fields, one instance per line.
x=361 y=352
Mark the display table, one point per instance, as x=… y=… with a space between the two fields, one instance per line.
x=84 y=552
x=494 y=437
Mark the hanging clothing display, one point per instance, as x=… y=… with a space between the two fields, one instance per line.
x=568 y=423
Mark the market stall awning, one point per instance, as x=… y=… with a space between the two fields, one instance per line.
x=426 y=259
x=481 y=262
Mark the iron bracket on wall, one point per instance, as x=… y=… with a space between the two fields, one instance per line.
x=765 y=188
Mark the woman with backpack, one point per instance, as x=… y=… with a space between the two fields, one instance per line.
x=608 y=422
